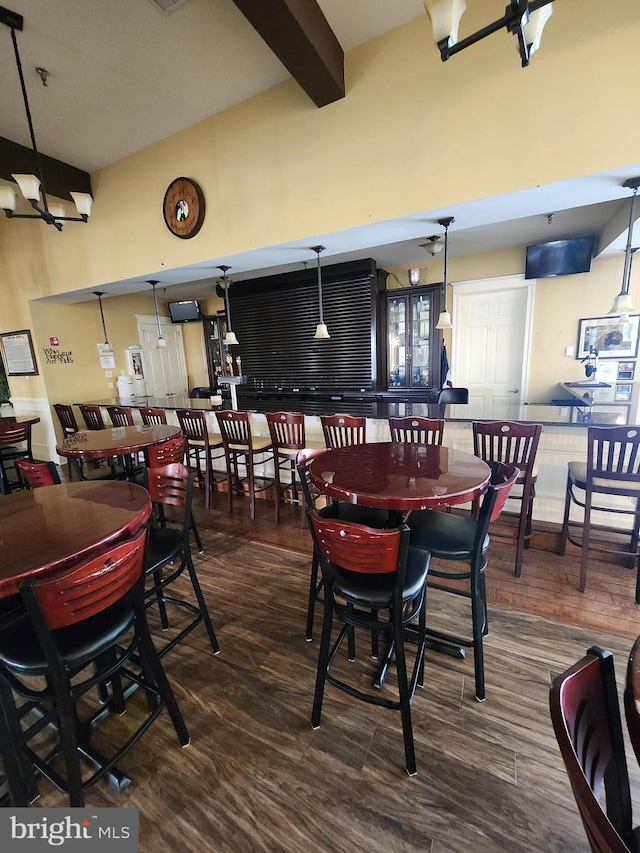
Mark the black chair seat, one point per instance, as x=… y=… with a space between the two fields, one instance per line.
x=376 y=591
x=78 y=644
x=163 y=545
x=451 y=537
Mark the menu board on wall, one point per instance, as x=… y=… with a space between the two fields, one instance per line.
x=17 y=353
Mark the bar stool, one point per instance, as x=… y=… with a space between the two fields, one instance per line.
x=200 y=445
x=415 y=430
x=120 y=415
x=514 y=444
x=15 y=443
x=92 y=416
x=151 y=415
x=36 y=474
x=67 y=418
x=343 y=430
x=240 y=448
x=168 y=453
x=288 y=438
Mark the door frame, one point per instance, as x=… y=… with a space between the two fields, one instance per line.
x=495 y=285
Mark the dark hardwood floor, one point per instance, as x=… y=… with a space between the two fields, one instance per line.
x=258 y=778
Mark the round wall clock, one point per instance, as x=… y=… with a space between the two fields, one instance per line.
x=183 y=208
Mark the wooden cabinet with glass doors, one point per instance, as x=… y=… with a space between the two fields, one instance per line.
x=413 y=344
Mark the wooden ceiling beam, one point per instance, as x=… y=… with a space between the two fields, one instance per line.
x=59 y=178
x=300 y=36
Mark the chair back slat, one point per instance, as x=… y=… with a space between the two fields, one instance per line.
x=586 y=719
x=166 y=453
x=193 y=424
x=66 y=417
x=286 y=429
x=36 y=474
x=416 y=430
x=152 y=415
x=82 y=591
x=172 y=485
x=235 y=428
x=121 y=416
x=92 y=416
x=355 y=547
x=343 y=430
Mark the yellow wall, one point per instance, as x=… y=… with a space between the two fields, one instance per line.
x=412 y=134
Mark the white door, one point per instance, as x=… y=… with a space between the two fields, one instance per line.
x=491 y=341
x=165 y=369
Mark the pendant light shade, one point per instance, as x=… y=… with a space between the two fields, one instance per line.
x=230 y=339
x=322 y=333
x=622 y=305
x=444 y=320
x=106 y=346
x=160 y=343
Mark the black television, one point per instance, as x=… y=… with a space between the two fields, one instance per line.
x=560 y=257
x=186 y=311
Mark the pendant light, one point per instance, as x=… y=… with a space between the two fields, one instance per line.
x=322 y=333
x=230 y=339
x=160 y=343
x=106 y=346
x=444 y=320
x=622 y=306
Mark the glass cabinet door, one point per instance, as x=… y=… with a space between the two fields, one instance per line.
x=397 y=342
x=420 y=341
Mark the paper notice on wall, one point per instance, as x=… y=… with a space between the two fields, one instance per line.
x=107 y=360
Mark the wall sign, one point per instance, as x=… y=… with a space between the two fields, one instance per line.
x=17 y=353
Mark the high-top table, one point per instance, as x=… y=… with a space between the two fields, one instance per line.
x=115 y=441
x=400 y=477
x=49 y=528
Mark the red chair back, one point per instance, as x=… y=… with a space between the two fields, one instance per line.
x=343 y=430
x=120 y=415
x=235 y=427
x=355 y=547
x=37 y=474
x=286 y=429
x=415 y=430
x=170 y=485
x=89 y=588
x=152 y=415
x=168 y=452
x=15 y=434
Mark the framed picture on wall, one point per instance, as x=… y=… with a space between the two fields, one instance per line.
x=17 y=353
x=609 y=336
x=626 y=369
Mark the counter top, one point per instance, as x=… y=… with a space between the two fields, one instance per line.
x=570 y=416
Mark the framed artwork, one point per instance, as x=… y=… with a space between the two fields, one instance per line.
x=623 y=392
x=626 y=369
x=609 y=336
x=17 y=353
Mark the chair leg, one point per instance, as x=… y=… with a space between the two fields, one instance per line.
x=278 y=486
x=478 y=610
x=252 y=485
x=196 y=535
x=522 y=532
x=564 y=536
x=528 y=533
x=19 y=774
x=313 y=595
x=323 y=659
x=586 y=533
x=405 y=697
x=195 y=583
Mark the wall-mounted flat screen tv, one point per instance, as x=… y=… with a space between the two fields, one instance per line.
x=560 y=257
x=186 y=311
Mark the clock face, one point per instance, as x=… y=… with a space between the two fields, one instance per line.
x=183 y=208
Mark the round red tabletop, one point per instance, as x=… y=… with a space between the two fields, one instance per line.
x=49 y=527
x=396 y=476
x=115 y=441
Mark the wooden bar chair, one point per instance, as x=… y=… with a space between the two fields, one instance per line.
x=514 y=444
x=152 y=415
x=81 y=629
x=120 y=416
x=415 y=430
x=243 y=449
x=200 y=448
x=15 y=443
x=343 y=430
x=611 y=473
x=585 y=715
x=92 y=416
x=288 y=439
x=367 y=572
x=67 y=418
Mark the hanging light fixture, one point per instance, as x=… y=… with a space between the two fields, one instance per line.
x=434 y=246
x=32 y=186
x=230 y=339
x=444 y=320
x=622 y=303
x=414 y=274
x=106 y=346
x=322 y=333
x=523 y=18
x=160 y=343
